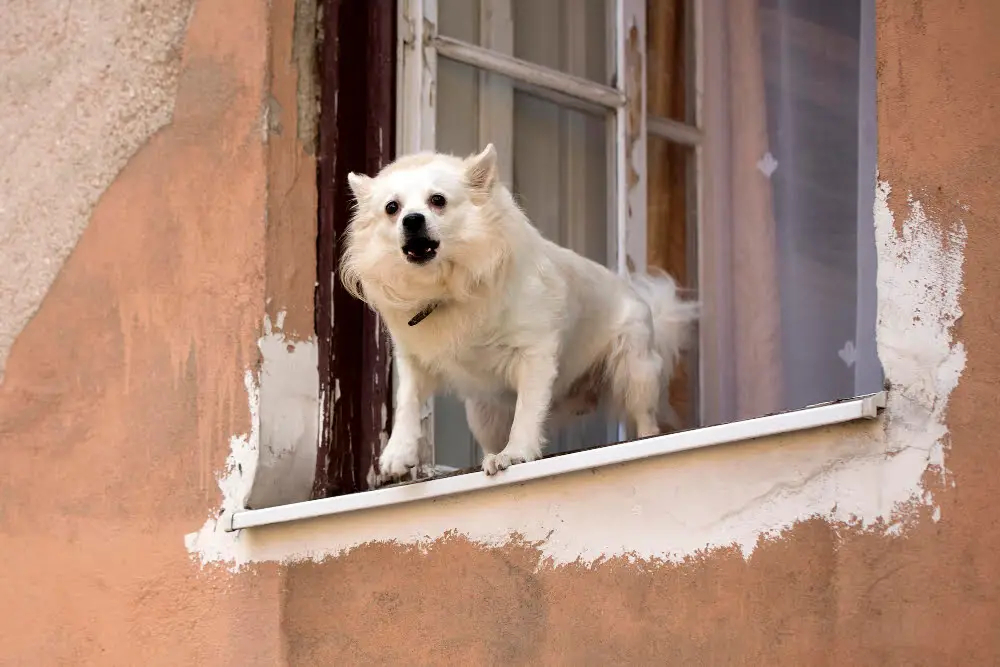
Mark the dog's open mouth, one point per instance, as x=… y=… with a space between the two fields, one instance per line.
x=420 y=250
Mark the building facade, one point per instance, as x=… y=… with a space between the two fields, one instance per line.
x=176 y=358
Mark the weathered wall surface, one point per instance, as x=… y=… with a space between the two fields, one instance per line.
x=82 y=87
x=135 y=147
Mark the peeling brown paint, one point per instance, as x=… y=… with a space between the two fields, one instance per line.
x=635 y=74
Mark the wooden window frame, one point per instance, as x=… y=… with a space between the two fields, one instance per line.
x=357 y=70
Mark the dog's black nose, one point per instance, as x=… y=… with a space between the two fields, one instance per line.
x=414 y=223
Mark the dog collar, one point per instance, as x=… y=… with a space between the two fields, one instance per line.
x=422 y=315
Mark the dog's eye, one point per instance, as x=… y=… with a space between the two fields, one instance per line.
x=438 y=201
x=392 y=208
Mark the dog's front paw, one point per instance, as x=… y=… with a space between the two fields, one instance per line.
x=400 y=456
x=494 y=463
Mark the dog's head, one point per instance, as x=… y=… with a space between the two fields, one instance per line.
x=426 y=228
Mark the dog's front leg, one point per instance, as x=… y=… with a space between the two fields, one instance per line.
x=534 y=374
x=402 y=452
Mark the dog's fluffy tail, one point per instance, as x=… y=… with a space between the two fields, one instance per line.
x=673 y=317
x=674 y=322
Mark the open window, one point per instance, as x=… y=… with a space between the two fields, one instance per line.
x=728 y=142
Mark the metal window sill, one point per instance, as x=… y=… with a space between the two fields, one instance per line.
x=864 y=407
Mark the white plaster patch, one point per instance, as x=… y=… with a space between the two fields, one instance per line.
x=919 y=294
x=275 y=462
x=289 y=417
x=674 y=506
x=212 y=544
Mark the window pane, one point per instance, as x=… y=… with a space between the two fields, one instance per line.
x=571 y=36
x=671 y=240
x=557 y=163
x=667 y=59
x=787 y=242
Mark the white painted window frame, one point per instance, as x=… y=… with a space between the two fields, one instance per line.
x=420 y=46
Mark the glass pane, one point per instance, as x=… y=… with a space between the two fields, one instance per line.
x=789 y=246
x=557 y=163
x=571 y=36
x=671 y=245
x=667 y=59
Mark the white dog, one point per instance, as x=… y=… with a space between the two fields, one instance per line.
x=478 y=303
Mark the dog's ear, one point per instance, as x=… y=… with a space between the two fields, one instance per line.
x=481 y=172
x=361 y=185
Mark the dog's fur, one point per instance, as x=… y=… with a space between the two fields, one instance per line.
x=521 y=328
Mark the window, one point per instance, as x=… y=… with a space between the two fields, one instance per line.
x=729 y=142
x=786 y=246
x=554 y=156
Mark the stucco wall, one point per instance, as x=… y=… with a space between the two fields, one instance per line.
x=870 y=543
x=134 y=212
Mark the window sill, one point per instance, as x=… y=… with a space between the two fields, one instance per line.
x=864 y=407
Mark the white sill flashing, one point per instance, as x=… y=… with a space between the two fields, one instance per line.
x=864 y=407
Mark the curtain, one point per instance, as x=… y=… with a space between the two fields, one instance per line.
x=787 y=241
